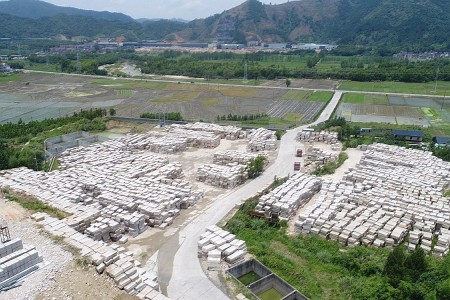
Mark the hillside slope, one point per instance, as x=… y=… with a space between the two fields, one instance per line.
x=412 y=23
x=36 y=9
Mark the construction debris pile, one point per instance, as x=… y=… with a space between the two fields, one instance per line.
x=286 y=199
x=112 y=259
x=110 y=191
x=16 y=261
x=261 y=139
x=217 y=244
x=391 y=193
x=224 y=132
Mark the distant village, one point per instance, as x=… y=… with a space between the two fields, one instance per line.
x=120 y=43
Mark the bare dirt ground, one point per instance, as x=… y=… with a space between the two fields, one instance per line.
x=80 y=283
x=38 y=96
x=305 y=83
x=60 y=277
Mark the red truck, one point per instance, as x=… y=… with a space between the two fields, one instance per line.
x=299 y=152
x=297 y=166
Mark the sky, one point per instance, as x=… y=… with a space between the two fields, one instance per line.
x=167 y=9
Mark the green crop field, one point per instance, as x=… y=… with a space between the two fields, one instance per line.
x=121 y=84
x=442 y=88
x=11 y=77
x=320 y=96
x=365 y=99
x=307 y=95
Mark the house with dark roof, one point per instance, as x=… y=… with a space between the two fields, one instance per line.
x=441 y=141
x=412 y=136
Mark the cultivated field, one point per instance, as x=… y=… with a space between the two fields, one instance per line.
x=427 y=88
x=40 y=96
x=395 y=110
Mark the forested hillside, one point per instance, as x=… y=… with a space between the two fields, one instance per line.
x=382 y=24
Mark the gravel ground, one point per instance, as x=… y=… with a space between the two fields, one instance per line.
x=61 y=278
x=55 y=259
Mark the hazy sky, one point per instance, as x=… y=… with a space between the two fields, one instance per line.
x=183 y=9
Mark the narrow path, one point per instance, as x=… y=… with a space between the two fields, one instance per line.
x=188 y=279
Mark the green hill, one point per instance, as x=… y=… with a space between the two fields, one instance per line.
x=36 y=9
x=383 y=24
x=386 y=23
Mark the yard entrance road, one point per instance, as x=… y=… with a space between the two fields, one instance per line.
x=188 y=281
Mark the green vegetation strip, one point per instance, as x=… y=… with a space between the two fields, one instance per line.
x=322 y=269
x=34 y=205
x=11 y=77
x=426 y=88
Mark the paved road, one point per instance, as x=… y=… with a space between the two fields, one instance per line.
x=188 y=280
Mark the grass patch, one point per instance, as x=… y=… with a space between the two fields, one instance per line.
x=127 y=93
x=446 y=193
x=320 y=96
x=237 y=92
x=209 y=101
x=179 y=97
x=397 y=87
x=365 y=99
x=121 y=84
x=431 y=113
x=293 y=117
x=11 y=77
x=43 y=67
x=82 y=262
x=353 y=98
x=296 y=95
x=34 y=205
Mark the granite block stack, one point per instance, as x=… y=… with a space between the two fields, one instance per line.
x=261 y=139
x=16 y=260
x=392 y=193
x=286 y=199
x=217 y=244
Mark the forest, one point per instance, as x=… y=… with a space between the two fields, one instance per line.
x=21 y=144
x=294 y=65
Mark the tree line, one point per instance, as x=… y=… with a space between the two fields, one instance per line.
x=202 y=66
x=21 y=143
x=171 y=116
x=246 y=117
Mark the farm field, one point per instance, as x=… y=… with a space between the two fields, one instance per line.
x=39 y=96
x=442 y=87
x=398 y=110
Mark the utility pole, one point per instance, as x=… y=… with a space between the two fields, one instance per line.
x=436 y=79
x=245 y=72
x=78 y=64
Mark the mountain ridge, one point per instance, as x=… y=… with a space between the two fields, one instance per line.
x=393 y=24
x=36 y=9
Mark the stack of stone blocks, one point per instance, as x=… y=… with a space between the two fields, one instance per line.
x=392 y=193
x=217 y=244
x=16 y=261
